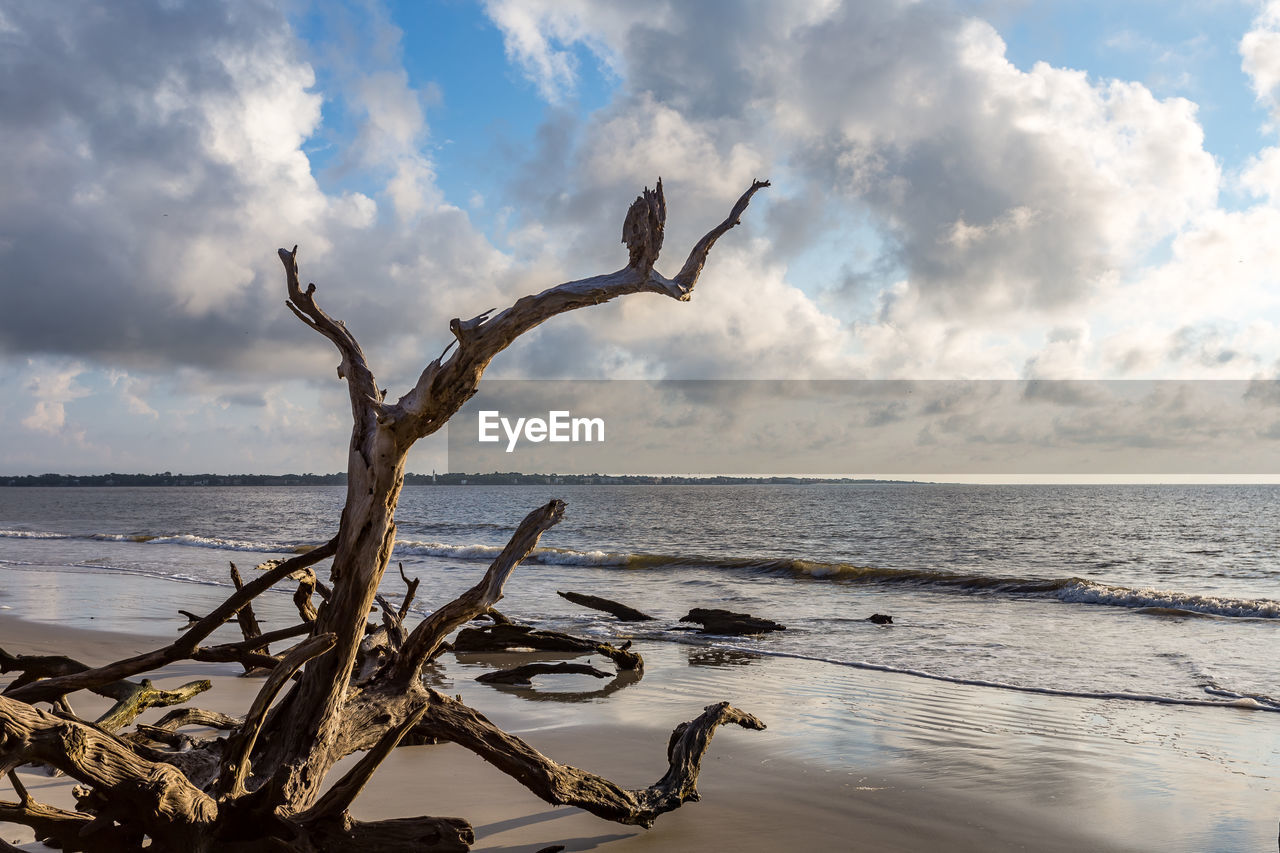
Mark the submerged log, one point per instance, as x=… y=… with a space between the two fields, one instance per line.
x=595 y=602
x=503 y=637
x=715 y=621
x=524 y=674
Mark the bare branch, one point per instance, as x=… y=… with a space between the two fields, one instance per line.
x=245 y=616
x=158 y=794
x=58 y=825
x=508 y=635
x=184 y=647
x=411 y=589
x=235 y=761
x=307 y=582
x=444 y=386
x=344 y=792
x=366 y=401
x=140 y=697
x=525 y=674
x=175 y=720
x=431 y=632
x=558 y=783
x=688 y=275
x=400 y=835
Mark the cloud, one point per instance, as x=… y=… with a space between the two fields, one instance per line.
x=51 y=387
x=936 y=209
x=1260 y=55
x=1000 y=199
x=155 y=159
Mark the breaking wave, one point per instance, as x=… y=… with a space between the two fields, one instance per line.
x=1069 y=590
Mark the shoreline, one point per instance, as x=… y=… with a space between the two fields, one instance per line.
x=851 y=759
x=754 y=797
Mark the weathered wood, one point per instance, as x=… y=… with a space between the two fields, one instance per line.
x=428 y=636
x=245 y=616
x=139 y=697
x=235 y=761
x=49 y=689
x=559 y=784
x=243 y=651
x=248 y=622
x=358 y=690
x=62 y=828
x=595 y=602
x=173 y=812
x=411 y=589
x=715 y=621
x=34 y=667
x=525 y=674
x=503 y=637
x=198 y=717
x=344 y=792
x=401 y=835
x=132 y=697
x=307 y=583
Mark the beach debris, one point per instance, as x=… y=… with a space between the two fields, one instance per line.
x=191 y=619
x=269 y=783
x=249 y=627
x=595 y=602
x=131 y=697
x=716 y=621
x=506 y=636
x=880 y=619
x=524 y=674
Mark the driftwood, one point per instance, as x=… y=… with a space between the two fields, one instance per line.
x=595 y=602
x=525 y=674
x=621 y=681
x=132 y=697
x=504 y=637
x=726 y=622
x=264 y=785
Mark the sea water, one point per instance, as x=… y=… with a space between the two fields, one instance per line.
x=1158 y=593
x=1154 y=607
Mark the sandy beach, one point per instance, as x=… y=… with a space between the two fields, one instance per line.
x=852 y=760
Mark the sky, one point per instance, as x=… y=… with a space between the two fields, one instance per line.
x=991 y=189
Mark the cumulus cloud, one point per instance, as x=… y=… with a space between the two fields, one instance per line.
x=51 y=387
x=1260 y=52
x=991 y=206
x=936 y=210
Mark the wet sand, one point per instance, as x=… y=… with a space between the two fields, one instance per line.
x=852 y=760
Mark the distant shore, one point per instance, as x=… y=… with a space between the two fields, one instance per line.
x=491 y=479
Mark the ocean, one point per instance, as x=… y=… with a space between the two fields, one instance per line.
x=1164 y=594
x=1102 y=656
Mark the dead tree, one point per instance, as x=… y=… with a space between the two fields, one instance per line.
x=259 y=788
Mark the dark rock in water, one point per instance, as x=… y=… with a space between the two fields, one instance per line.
x=880 y=619
x=715 y=621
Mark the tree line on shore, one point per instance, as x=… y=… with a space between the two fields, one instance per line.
x=460 y=479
